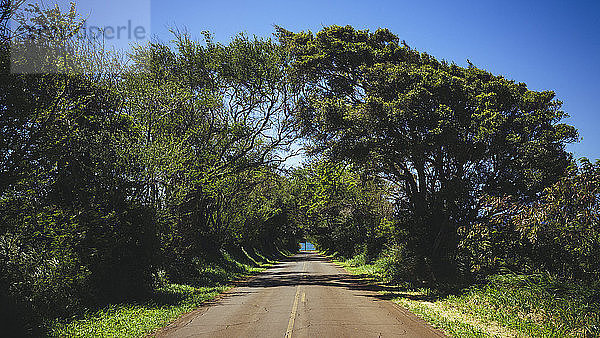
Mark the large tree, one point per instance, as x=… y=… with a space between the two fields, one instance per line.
x=443 y=133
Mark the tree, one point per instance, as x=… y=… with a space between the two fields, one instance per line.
x=211 y=117
x=440 y=132
x=72 y=233
x=113 y=172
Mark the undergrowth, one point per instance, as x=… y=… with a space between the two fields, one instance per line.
x=504 y=305
x=168 y=302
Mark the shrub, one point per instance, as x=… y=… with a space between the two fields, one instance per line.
x=397 y=264
x=559 y=233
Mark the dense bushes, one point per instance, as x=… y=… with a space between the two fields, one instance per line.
x=559 y=233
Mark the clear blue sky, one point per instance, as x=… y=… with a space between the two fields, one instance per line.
x=550 y=45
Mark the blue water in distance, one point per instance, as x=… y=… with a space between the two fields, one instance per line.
x=306 y=246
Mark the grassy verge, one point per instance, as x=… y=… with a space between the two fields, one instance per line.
x=504 y=306
x=167 y=304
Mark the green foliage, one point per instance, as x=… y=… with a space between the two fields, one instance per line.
x=535 y=305
x=165 y=304
x=71 y=235
x=480 y=182
x=211 y=119
x=442 y=133
x=559 y=233
x=120 y=175
x=397 y=264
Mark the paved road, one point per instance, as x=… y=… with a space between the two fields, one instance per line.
x=305 y=296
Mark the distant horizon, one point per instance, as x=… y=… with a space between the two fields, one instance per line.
x=307 y=246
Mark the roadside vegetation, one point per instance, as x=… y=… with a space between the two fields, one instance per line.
x=502 y=305
x=135 y=186
x=167 y=302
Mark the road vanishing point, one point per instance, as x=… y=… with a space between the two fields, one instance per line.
x=303 y=296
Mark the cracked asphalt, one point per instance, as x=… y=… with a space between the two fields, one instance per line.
x=304 y=296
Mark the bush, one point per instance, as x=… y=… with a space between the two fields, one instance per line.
x=41 y=274
x=397 y=264
x=358 y=260
x=559 y=233
x=119 y=251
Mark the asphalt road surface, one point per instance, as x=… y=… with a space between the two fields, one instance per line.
x=304 y=296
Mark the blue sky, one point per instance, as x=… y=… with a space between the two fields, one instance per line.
x=549 y=45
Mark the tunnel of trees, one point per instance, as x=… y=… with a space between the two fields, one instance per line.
x=115 y=167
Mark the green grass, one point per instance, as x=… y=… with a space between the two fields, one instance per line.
x=134 y=320
x=354 y=266
x=167 y=304
x=533 y=305
x=504 y=306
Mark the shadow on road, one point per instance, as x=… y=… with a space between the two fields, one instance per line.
x=304 y=256
x=271 y=279
x=293 y=278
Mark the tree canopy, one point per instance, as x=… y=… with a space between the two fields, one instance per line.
x=444 y=134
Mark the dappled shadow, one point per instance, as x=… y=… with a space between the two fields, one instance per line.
x=304 y=256
x=405 y=293
x=358 y=282
x=166 y=297
x=422 y=292
x=299 y=278
x=292 y=278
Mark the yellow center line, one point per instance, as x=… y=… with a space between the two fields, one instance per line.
x=290 y=328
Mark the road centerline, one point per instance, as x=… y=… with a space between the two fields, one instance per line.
x=290 y=327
